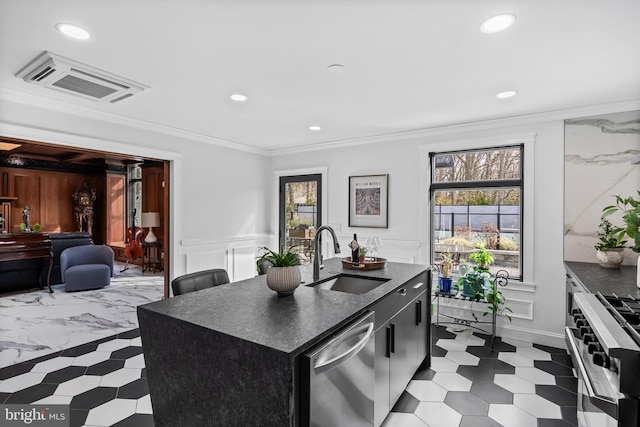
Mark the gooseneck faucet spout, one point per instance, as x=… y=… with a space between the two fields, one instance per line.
x=317 y=254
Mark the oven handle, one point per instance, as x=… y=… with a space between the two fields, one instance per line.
x=575 y=357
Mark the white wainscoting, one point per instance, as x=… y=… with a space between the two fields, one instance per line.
x=237 y=255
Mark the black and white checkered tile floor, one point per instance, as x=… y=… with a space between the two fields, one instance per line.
x=104 y=382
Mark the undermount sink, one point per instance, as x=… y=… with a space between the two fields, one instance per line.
x=349 y=284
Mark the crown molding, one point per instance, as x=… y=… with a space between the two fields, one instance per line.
x=37 y=101
x=449 y=129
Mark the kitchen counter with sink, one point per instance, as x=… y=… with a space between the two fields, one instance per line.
x=229 y=355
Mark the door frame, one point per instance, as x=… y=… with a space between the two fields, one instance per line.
x=275 y=212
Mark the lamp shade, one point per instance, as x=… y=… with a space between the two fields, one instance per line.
x=150 y=219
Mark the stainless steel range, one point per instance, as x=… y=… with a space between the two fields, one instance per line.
x=603 y=340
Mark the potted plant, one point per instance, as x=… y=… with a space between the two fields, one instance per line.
x=630 y=210
x=363 y=253
x=494 y=297
x=608 y=249
x=445 y=279
x=283 y=276
x=482 y=257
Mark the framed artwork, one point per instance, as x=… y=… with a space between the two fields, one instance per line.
x=369 y=201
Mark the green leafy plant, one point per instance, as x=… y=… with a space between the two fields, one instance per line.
x=476 y=280
x=37 y=227
x=605 y=238
x=23 y=226
x=363 y=251
x=630 y=210
x=283 y=258
x=495 y=300
x=482 y=256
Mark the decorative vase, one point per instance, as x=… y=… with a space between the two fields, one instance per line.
x=284 y=280
x=610 y=258
x=445 y=284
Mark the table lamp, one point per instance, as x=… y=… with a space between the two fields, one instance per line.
x=150 y=219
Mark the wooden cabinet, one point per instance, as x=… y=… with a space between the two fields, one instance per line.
x=5 y=214
x=115 y=208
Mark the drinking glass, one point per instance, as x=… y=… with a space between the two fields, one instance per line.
x=375 y=243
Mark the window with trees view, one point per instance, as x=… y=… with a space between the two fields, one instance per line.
x=476 y=199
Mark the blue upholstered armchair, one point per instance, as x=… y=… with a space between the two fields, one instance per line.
x=86 y=267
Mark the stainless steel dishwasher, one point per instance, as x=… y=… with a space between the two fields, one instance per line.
x=340 y=378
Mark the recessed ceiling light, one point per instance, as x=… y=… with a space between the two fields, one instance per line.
x=335 y=68
x=498 y=23
x=238 y=97
x=315 y=128
x=73 y=31
x=507 y=94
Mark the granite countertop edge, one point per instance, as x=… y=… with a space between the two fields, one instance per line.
x=620 y=281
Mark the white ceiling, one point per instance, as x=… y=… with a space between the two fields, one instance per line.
x=409 y=64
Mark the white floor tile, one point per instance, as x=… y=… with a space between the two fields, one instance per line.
x=438 y=414
x=137 y=342
x=515 y=359
x=114 y=345
x=452 y=345
x=398 y=419
x=53 y=364
x=469 y=339
x=144 y=405
x=120 y=377
x=442 y=364
x=78 y=385
x=537 y=406
x=535 y=375
x=463 y=358
x=135 y=362
x=54 y=400
x=452 y=381
x=92 y=358
x=509 y=415
x=20 y=382
x=514 y=383
x=111 y=412
x=426 y=391
x=533 y=353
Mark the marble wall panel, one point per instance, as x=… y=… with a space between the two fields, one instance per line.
x=598 y=153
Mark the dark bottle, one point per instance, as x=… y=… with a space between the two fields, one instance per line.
x=355 y=250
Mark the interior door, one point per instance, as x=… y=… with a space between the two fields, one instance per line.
x=300 y=213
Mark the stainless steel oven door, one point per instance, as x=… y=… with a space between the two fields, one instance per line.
x=599 y=402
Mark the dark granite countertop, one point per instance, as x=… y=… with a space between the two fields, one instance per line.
x=249 y=310
x=620 y=281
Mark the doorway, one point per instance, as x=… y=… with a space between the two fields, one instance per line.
x=300 y=213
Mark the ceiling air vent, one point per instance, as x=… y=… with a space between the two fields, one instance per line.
x=69 y=76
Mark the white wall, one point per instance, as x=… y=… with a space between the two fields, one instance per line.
x=539 y=301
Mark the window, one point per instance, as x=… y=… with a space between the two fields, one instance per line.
x=476 y=198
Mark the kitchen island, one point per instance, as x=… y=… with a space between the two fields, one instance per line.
x=230 y=355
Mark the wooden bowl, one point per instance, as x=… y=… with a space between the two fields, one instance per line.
x=368 y=264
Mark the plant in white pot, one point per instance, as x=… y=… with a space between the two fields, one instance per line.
x=630 y=210
x=608 y=250
x=283 y=276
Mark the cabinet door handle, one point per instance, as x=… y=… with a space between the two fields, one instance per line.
x=418 y=285
x=392 y=347
x=388 y=349
x=418 y=312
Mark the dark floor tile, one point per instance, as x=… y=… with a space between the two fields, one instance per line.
x=126 y=353
x=80 y=350
x=15 y=370
x=136 y=420
x=476 y=373
x=93 y=398
x=466 y=403
x=568 y=383
x=77 y=417
x=407 y=403
x=555 y=369
x=424 y=374
x=143 y=374
x=497 y=366
x=478 y=421
x=498 y=345
x=4 y=396
x=552 y=350
x=64 y=374
x=570 y=414
x=438 y=351
x=492 y=393
x=557 y=395
x=44 y=358
x=106 y=367
x=563 y=359
x=134 y=390
x=548 y=422
x=32 y=394
x=438 y=332
x=134 y=333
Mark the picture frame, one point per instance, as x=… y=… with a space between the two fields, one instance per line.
x=369 y=201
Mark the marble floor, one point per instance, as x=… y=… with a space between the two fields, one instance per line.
x=514 y=385
x=38 y=323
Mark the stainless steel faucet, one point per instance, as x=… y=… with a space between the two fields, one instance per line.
x=317 y=254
